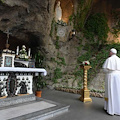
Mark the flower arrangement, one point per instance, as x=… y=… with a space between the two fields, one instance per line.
x=23 y=53
x=85 y=63
x=60 y=22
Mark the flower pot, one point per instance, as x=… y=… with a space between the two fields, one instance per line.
x=38 y=93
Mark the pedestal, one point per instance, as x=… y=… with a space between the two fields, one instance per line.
x=85 y=96
x=85 y=93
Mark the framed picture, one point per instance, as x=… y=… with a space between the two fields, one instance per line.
x=8 y=61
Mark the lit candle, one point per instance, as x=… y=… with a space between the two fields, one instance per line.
x=29 y=52
x=17 y=51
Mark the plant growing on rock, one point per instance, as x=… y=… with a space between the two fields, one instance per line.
x=39 y=82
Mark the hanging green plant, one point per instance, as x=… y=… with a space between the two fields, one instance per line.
x=96 y=29
x=83 y=11
x=39 y=59
x=57 y=75
x=39 y=82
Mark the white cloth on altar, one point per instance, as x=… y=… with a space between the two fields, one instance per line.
x=112 y=85
x=18 y=69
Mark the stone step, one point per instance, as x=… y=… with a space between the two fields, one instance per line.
x=16 y=100
x=40 y=109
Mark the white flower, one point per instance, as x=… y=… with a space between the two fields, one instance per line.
x=86 y=63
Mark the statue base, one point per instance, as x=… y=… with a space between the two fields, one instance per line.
x=85 y=96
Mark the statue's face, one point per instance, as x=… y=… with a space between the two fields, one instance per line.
x=58 y=3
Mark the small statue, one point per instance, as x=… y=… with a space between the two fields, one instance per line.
x=23 y=89
x=58 y=12
x=23 y=53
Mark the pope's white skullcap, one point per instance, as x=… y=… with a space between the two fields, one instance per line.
x=113 y=50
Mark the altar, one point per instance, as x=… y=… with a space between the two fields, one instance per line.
x=17 y=71
x=15 y=81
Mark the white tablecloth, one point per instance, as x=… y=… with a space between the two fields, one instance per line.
x=18 y=69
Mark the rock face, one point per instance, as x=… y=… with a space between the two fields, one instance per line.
x=31 y=23
x=26 y=20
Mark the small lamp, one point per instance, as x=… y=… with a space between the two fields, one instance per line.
x=72 y=34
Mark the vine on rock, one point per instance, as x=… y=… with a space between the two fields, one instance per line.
x=96 y=30
x=83 y=11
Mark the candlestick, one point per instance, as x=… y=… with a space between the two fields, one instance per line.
x=17 y=51
x=29 y=52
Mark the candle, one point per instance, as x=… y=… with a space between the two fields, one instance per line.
x=17 y=51
x=29 y=52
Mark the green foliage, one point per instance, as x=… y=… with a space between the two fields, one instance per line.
x=39 y=82
x=97 y=58
x=39 y=59
x=80 y=17
x=60 y=60
x=80 y=84
x=61 y=22
x=97 y=91
x=84 y=57
x=78 y=73
x=2 y=1
x=96 y=29
x=57 y=75
x=57 y=42
x=57 y=72
x=71 y=19
x=52 y=28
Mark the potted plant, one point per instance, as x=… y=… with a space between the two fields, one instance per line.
x=38 y=91
x=39 y=84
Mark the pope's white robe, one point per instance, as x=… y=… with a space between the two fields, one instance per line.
x=112 y=85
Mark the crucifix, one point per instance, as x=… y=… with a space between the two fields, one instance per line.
x=8 y=34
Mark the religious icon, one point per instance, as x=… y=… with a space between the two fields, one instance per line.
x=11 y=85
x=8 y=35
x=8 y=61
